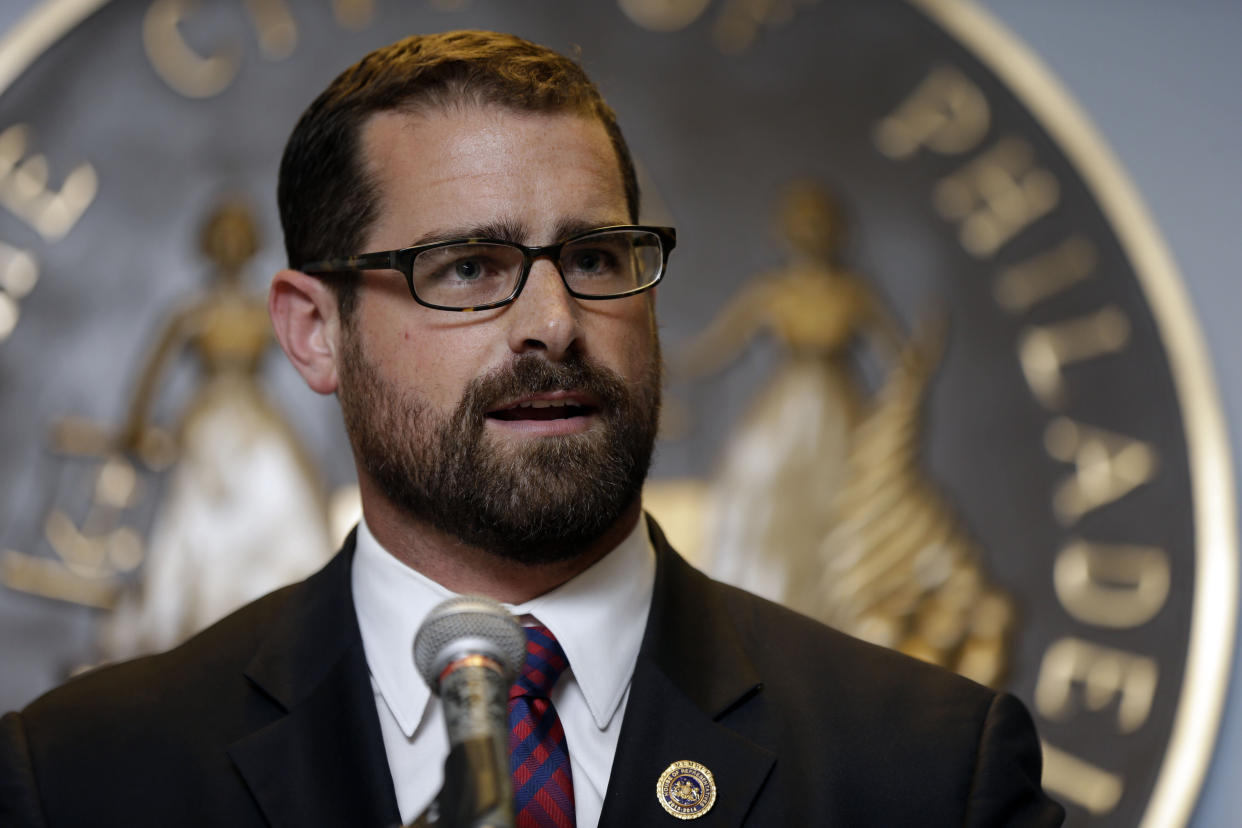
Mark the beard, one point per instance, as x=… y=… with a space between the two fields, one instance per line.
x=539 y=501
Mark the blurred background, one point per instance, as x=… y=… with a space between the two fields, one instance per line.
x=1156 y=80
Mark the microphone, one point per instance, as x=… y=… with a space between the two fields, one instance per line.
x=468 y=650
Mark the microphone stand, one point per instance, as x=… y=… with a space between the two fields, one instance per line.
x=475 y=794
x=477 y=791
x=468 y=650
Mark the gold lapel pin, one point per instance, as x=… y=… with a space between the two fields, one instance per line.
x=686 y=790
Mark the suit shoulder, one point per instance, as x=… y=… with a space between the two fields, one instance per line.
x=790 y=644
x=195 y=668
x=975 y=749
x=805 y=654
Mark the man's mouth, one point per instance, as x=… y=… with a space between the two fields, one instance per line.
x=556 y=406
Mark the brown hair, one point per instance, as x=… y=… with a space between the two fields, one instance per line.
x=326 y=198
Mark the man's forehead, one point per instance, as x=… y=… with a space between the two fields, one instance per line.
x=466 y=159
x=479 y=132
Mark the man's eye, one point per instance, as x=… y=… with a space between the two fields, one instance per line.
x=473 y=268
x=591 y=261
x=467 y=270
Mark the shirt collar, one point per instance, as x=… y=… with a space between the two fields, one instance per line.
x=598 y=617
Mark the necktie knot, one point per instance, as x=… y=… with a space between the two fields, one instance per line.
x=545 y=661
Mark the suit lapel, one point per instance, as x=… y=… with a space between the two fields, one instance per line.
x=322 y=762
x=692 y=670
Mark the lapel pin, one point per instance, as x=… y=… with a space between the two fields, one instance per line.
x=686 y=790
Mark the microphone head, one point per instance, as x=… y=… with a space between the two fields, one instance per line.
x=468 y=625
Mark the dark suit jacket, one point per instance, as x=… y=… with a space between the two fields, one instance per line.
x=268 y=717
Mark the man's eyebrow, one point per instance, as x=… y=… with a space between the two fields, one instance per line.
x=507 y=230
x=502 y=230
x=573 y=227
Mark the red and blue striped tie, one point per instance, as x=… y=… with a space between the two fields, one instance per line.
x=543 y=788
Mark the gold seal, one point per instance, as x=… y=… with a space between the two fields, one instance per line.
x=686 y=790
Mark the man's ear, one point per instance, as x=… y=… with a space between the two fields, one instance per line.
x=307 y=324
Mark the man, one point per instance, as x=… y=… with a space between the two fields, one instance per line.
x=468 y=277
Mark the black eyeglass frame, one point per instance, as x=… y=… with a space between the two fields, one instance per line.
x=402 y=260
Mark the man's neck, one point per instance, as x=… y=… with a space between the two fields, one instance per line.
x=466 y=569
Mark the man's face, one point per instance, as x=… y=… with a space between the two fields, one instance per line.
x=524 y=430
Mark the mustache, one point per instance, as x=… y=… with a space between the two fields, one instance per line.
x=532 y=374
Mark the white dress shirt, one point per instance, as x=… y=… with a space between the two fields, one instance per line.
x=598 y=617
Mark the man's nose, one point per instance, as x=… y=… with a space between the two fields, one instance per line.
x=544 y=317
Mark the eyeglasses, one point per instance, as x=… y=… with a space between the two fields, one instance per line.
x=478 y=274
